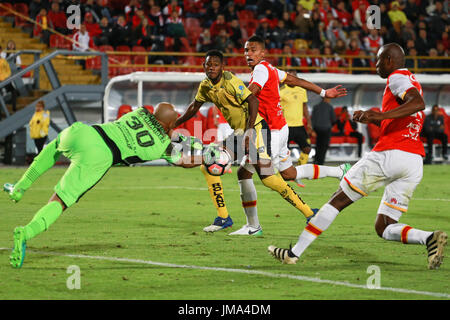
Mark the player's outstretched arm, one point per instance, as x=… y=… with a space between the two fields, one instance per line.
x=191 y=110
x=332 y=93
x=412 y=103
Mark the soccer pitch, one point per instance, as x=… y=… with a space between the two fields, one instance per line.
x=138 y=235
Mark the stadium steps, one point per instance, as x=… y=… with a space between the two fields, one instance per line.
x=22 y=102
x=69 y=72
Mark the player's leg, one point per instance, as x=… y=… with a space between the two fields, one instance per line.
x=90 y=160
x=315 y=171
x=352 y=188
x=215 y=188
x=41 y=163
x=249 y=202
x=300 y=137
x=395 y=203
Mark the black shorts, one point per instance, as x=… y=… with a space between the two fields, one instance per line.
x=259 y=149
x=300 y=136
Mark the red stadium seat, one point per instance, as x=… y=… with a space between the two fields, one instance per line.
x=123 y=48
x=94 y=63
x=23 y=9
x=4 y=12
x=54 y=41
x=125 y=108
x=139 y=59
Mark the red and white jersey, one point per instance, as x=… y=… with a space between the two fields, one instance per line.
x=403 y=133
x=268 y=78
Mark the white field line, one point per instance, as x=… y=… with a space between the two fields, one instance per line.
x=244 y=271
x=299 y=191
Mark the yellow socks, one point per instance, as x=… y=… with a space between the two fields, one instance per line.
x=279 y=185
x=216 y=192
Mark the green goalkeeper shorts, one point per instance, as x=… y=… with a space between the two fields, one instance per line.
x=90 y=159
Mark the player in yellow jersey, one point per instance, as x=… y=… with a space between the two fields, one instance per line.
x=240 y=108
x=293 y=101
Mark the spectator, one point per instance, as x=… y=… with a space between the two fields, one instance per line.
x=318 y=30
x=5 y=73
x=307 y=4
x=204 y=43
x=102 y=9
x=373 y=42
x=121 y=33
x=39 y=125
x=335 y=32
x=359 y=15
x=411 y=10
x=409 y=32
x=288 y=22
x=212 y=12
x=58 y=18
x=105 y=38
x=144 y=34
x=230 y=12
x=423 y=43
x=323 y=118
x=158 y=19
x=384 y=17
x=218 y=25
x=348 y=128
x=235 y=33
x=434 y=128
x=92 y=27
x=396 y=14
x=222 y=40
x=175 y=30
x=340 y=48
x=434 y=63
x=130 y=9
x=193 y=8
x=343 y=15
x=279 y=35
x=396 y=34
x=412 y=62
x=89 y=7
x=438 y=20
x=303 y=23
x=11 y=48
x=137 y=18
x=331 y=63
x=264 y=31
x=81 y=40
x=35 y=7
x=42 y=25
x=172 y=6
x=288 y=60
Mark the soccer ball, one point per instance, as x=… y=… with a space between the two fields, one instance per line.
x=217 y=166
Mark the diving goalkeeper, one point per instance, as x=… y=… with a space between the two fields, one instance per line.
x=138 y=136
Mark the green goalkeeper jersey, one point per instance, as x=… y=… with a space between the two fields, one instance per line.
x=138 y=137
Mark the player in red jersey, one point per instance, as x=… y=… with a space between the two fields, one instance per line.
x=264 y=84
x=395 y=163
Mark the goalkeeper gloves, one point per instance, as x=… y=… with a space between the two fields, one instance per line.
x=211 y=152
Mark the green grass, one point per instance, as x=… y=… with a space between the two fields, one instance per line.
x=157 y=214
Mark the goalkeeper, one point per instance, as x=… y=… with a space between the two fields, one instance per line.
x=138 y=136
x=240 y=108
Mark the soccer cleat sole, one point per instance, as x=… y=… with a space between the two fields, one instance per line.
x=214 y=228
x=437 y=244
x=282 y=255
x=18 y=253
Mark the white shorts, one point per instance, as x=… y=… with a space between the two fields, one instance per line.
x=398 y=171
x=279 y=148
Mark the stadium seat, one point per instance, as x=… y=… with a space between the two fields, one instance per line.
x=125 y=108
x=5 y=12
x=139 y=59
x=54 y=41
x=94 y=63
x=105 y=48
x=23 y=9
x=123 y=48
